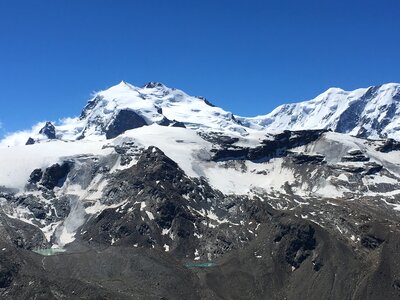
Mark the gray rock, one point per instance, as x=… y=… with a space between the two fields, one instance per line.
x=55 y=175
x=30 y=141
x=48 y=130
x=125 y=120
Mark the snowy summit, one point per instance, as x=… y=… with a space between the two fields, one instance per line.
x=372 y=112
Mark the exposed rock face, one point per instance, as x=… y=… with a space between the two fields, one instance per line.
x=178 y=124
x=301 y=158
x=358 y=157
x=389 y=145
x=35 y=176
x=371 y=242
x=34 y=205
x=48 y=130
x=164 y=122
x=89 y=106
x=30 y=141
x=351 y=117
x=166 y=201
x=152 y=85
x=21 y=234
x=55 y=175
x=373 y=168
x=125 y=120
x=277 y=147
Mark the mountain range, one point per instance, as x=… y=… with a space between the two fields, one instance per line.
x=371 y=113
x=151 y=193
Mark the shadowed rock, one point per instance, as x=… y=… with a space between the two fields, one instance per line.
x=35 y=176
x=30 y=141
x=55 y=175
x=125 y=120
x=389 y=145
x=48 y=130
x=268 y=149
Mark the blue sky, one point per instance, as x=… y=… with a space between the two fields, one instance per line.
x=245 y=56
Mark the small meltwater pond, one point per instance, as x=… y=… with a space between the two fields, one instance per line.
x=49 y=251
x=201 y=265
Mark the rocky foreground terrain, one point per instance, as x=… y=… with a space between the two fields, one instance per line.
x=153 y=194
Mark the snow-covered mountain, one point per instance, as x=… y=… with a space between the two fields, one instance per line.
x=124 y=106
x=150 y=188
x=372 y=112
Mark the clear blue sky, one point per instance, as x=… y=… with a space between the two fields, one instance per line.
x=245 y=56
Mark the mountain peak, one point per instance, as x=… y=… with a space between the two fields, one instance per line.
x=123 y=107
x=333 y=90
x=154 y=84
x=125 y=84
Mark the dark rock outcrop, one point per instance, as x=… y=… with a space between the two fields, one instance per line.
x=125 y=120
x=35 y=176
x=175 y=123
x=89 y=106
x=217 y=138
x=355 y=155
x=48 y=130
x=351 y=117
x=371 y=242
x=206 y=101
x=34 y=205
x=301 y=158
x=389 y=145
x=21 y=234
x=355 y=158
x=164 y=122
x=152 y=85
x=269 y=148
x=55 y=175
x=30 y=141
x=372 y=168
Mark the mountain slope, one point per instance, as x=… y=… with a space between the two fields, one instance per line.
x=154 y=194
